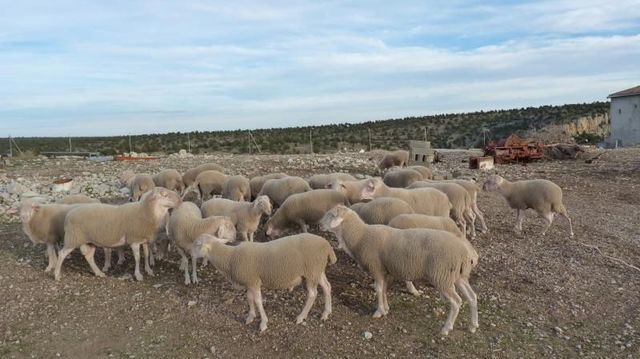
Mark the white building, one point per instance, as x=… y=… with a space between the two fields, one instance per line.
x=625 y=117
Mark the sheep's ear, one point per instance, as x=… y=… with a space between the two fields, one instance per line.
x=335 y=222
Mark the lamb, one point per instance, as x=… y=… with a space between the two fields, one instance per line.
x=257 y=182
x=44 y=224
x=427 y=201
x=402 y=178
x=237 y=188
x=351 y=189
x=544 y=196
x=169 y=179
x=244 y=215
x=408 y=254
x=140 y=184
x=208 y=183
x=405 y=221
x=396 y=158
x=77 y=199
x=321 y=181
x=278 y=264
x=190 y=175
x=278 y=190
x=186 y=225
x=303 y=209
x=473 y=189
x=426 y=172
x=111 y=226
x=381 y=210
x=125 y=178
x=461 y=208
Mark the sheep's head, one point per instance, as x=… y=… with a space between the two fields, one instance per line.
x=370 y=188
x=493 y=183
x=29 y=208
x=333 y=218
x=203 y=244
x=337 y=185
x=162 y=198
x=263 y=204
x=126 y=177
x=271 y=230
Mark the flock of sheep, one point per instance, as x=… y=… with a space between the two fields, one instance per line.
x=403 y=226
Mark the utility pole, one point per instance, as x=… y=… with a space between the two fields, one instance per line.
x=425 y=134
x=484 y=136
x=129 y=145
x=369 y=138
x=311 y=139
x=189 y=142
x=10 y=147
x=249 y=138
x=69 y=143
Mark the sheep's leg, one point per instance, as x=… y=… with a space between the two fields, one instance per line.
x=566 y=215
x=251 y=236
x=548 y=217
x=194 y=268
x=384 y=294
x=312 y=294
x=470 y=296
x=480 y=215
x=304 y=227
x=245 y=237
x=184 y=265
x=326 y=291
x=454 y=308
x=519 y=218
x=152 y=257
x=107 y=259
x=120 y=256
x=263 y=316
x=51 y=256
x=205 y=261
x=147 y=268
x=462 y=225
x=252 y=308
x=88 y=251
x=471 y=221
x=412 y=289
x=379 y=283
x=64 y=252
x=135 y=248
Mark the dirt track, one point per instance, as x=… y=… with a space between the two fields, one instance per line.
x=538 y=296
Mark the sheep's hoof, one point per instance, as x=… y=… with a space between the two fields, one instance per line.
x=300 y=319
x=101 y=274
x=249 y=319
x=325 y=316
x=378 y=314
x=48 y=269
x=195 y=280
x=149 y=271
x=105 y=269
x=444 y=332
x=187 y=281
x=571 y=235
x=473 y=328
x=138 y=276
x=263 y=326
x=416 y=292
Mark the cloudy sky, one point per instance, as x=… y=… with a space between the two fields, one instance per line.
x=121 y=66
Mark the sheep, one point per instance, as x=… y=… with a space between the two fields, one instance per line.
x=237 y=188
x=396 y=158
x=321 y=181
x=125 y=178
x=405 y=221
x=257 y=182
x=472 y=187
x=381 y=210
x=303 y=209
x=278 y=264
x=245 y=216
x=77 y=199
x=408 y=254
x=402 y=178
x=111 y=226
x=544 y=196
x=44 y=224
x=190 y=175
x=140 y=184
x=426 y=172
x=169 y=179
x=208 y=183
x=186 y=225
x=278 y=190
x=461 y=207
x=427 y=201
x=351 y=189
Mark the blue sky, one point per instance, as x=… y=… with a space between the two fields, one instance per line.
x=116 y=67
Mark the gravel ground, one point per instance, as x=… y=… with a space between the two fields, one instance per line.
x=538 y=296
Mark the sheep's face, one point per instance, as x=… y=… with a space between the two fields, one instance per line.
x=338 y=186
x=369 y=189
x=272 y=231
x=333 y=218
x=203 y=243
x=28 y=210
x=163 y=197
x=492 y=183
x=226 y=231
x=263 y=204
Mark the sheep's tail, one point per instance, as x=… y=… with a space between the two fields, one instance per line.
x=467 y=265
x=332 y=256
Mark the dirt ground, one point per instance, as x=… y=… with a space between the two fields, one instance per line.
x=538 y=296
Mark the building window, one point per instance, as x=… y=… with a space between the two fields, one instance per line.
x=619 y=110
x=635 y=105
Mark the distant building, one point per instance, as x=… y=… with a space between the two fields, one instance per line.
x=625 y=117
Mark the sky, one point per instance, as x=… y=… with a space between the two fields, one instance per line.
x=98 y=68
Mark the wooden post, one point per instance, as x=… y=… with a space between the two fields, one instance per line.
x=188 y=142
x=311 y=139
x=425 y=134
x=10 y=147
x=129 y=145
x=369 y=139
x=70 y=144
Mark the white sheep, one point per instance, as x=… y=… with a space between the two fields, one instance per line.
x=427 y=201
x=190 y=175
x=186 y=225
x=408 y=254
x=279 y=264
x=426 y=172
x=257 y=182
x=170 y=179
x=402 y=178
x=544 y=196
x=351 y=189
x=321 y=181
x=303 y=209
x=125 y=178
x=472 y=187
x=405 y=221
x=208 y=183
x=140 y=184
x=381 y=210
x=244 y=215
x=237 y=188
x=77 y=199
x=278 y=190
x=397 y=158
x=112 y=226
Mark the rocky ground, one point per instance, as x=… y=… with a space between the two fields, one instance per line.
x=538 y=296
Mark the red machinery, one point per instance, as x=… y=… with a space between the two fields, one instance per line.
x=515 y=149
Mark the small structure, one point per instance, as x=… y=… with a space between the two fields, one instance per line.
x=481 y=163
x=420 y=153
x=625 y=117
x=55 y=154
x=515 y=149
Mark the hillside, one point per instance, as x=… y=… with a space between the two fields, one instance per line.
x=583 y=122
